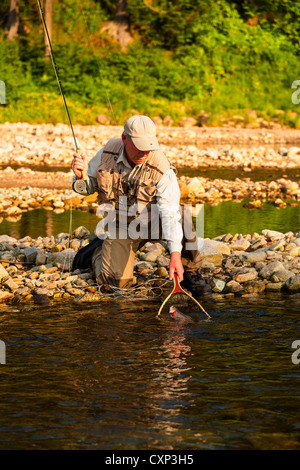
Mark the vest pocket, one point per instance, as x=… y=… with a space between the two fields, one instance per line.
x=104 y=181
x=146 y=192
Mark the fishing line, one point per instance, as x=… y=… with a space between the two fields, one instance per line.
x=56 y=73
x=141 y=292
x=65 y=105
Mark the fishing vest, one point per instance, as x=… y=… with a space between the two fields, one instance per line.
x=113 y=181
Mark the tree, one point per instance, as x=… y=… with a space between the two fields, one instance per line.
x=13 y=22
x=118 y=28
x=48 y=20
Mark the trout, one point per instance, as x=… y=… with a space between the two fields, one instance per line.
x=175 y=314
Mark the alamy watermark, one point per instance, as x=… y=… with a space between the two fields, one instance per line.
x=2 y=352
x=2 y=92
x=295 y=99
x=152 y=222
x=296 y=354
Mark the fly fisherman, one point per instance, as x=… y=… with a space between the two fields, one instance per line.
x=132 y=176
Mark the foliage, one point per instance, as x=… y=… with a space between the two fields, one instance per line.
x=221 y=56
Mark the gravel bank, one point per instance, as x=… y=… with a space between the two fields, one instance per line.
x=39 y=270
x=52 y=145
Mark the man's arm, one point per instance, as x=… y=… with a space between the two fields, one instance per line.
x=168 y=200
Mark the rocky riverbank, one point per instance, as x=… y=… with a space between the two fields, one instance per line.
x=52 y=145
x=39 y=270
x=52 y=191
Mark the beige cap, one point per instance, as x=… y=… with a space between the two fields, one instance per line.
x=142 y=131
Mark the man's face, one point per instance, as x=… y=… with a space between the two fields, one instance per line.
x=134 y=155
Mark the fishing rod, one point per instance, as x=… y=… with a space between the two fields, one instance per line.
x=60 y=87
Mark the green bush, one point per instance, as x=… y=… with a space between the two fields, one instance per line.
x=186 y=56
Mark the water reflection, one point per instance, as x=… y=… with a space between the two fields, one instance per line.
x=225 y=217
x=111 y=376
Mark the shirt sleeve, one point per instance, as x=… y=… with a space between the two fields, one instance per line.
x=168 y=201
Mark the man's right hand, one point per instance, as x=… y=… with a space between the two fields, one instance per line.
x=79 y=165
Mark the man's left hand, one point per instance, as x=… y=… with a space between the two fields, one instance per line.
x=176 y=266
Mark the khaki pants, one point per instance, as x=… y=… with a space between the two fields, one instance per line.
x=113 y=263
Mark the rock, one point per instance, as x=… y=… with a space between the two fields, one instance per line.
x=7 y=238
x=150 y=256
x=220 y=246
x=257 y=204
x=293 y=283
x=272 y=234
x=144 y=265
x=10 y=284
x=13 y=210
x=270 y=269
x=275 y=246
x=62 y=259
x=75 y=291
x=81 y=232
x=254 y=256
x=161 y=272
x=233 y=286
x=258 y=244
x=195 y=187
x=3 y=274
x=217 y=285
x=153 y=247
x=210 y=254
x=274 y=286
x=188 y=122
x=43 y=291
x=41 y=258
x=30 y=254
x=90 y=297
x=282 y=275
x=294 y=251
x=245 y=274
x=103 y=119
x=163 y=261
x=240 y=245
x=279 y=203
x=257 y=286
x=5 y=296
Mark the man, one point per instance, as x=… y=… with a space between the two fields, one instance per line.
x=132 y=175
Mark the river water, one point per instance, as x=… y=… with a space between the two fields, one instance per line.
x=225 y=217
x=111 y=376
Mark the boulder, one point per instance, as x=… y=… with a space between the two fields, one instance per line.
x=217 y=285
x=293 y=283
x=245 y=274
x=210 y=254
x=233 y=286
x=282 y=275
x=220 y=246
x=3 y=274
x=30 y=254
x=254 y=256
x=255 y=287
x=270 y=269
x=63 y=258
x=150 y=256
x=240 y=245
x=195 y=186
x=81 y=232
